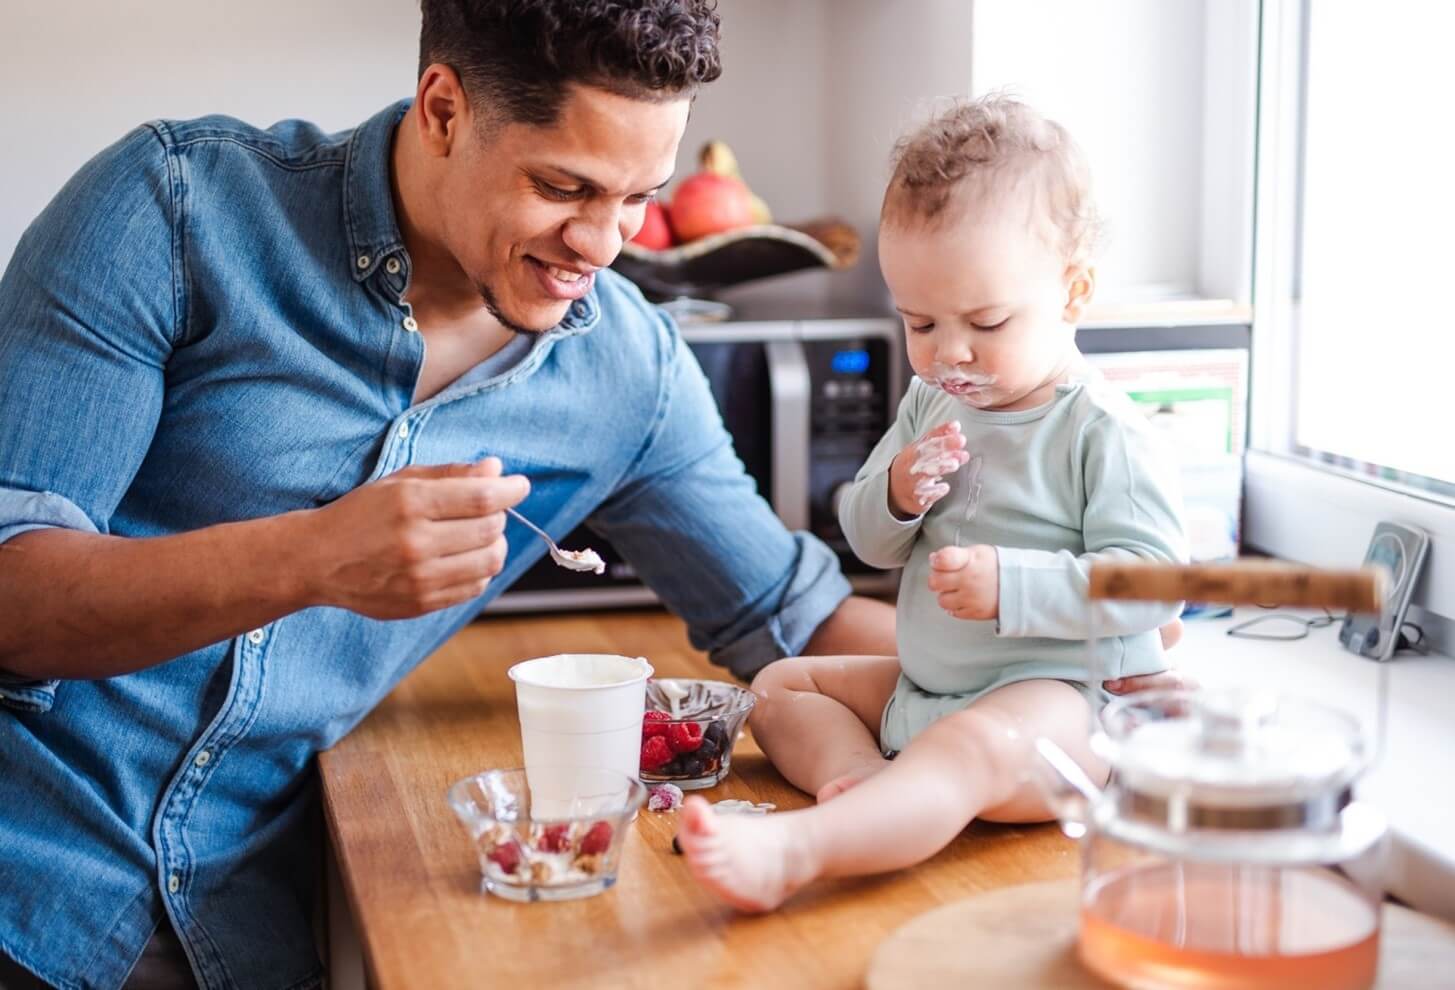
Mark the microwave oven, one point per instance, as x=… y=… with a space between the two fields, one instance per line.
x=805 y=402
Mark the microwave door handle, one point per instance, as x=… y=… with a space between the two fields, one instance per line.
x=790 y=389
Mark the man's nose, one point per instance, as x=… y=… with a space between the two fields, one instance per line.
x=595 y=236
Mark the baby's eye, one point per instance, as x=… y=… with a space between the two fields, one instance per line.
x=995 y=326
x=926 y=328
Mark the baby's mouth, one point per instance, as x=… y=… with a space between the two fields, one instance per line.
x=963 y=386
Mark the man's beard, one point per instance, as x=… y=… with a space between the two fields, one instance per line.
x=494 y=307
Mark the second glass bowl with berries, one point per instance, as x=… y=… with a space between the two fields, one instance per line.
x=689 y=730
x=552 y=848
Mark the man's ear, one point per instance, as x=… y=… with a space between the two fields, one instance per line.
x=444 y=112
x=1080 y=287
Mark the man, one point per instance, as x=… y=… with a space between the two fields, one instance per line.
x=265 y=395
x=264 y=398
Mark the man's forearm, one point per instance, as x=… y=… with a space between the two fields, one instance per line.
x=80 y=605
x=858 y=627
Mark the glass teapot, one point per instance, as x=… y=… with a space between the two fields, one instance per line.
x=1226 y=851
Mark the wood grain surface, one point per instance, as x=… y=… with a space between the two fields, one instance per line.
x=1025 y=937
x=413 y=882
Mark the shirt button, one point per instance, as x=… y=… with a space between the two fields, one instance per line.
x=174 y=883
x=404 y=431
x=203 y=758
x=362 y=261
x=410 y=325
x=392 y=266
x=256 y=636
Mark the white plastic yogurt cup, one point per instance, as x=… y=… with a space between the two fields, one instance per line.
x=578 y=710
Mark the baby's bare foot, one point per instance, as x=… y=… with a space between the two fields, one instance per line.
x=753 y=862
x=843 y=782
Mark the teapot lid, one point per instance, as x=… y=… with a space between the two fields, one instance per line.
x=1231 y=750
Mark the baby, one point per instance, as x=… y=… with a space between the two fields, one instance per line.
x=1010 y=470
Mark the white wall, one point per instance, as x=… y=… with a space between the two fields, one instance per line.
x=813 y=94
x=78 y=75
x=1126 y=79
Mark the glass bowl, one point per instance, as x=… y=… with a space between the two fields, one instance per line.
x=574 y=851
x=697 y=722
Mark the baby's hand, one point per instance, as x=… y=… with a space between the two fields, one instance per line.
x=967 y=580
x=916 y=478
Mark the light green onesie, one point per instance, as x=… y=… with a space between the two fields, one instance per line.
x=1053 y=489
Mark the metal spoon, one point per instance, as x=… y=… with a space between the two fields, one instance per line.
x=571 y=560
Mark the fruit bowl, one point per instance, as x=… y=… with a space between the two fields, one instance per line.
x=556 y=858
x=689 y=731
x=719 y=261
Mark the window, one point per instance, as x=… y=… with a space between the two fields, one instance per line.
x=1353 y=339
x=1364 y=232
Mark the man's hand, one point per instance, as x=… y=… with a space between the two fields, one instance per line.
x=916 y=477
x=967 y=581
x=415 y=541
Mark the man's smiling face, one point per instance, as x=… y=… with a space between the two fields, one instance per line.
x=529 y=212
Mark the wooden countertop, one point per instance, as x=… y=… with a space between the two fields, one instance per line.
x=413 y=882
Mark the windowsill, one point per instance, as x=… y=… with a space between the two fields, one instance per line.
x=1298 y=511
x=1165 y=313
x=1411 y=783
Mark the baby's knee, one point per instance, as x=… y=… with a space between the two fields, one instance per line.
x=788 y=674
x=775 y=684
x=987 y=737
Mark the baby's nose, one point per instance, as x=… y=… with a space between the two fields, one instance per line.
x=953 y=352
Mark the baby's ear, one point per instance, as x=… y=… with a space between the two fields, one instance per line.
x=1080 y=287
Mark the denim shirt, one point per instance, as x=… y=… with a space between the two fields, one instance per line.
x=206 y=325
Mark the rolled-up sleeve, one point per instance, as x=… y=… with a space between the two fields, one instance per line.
x=690 y=520
x=21 y=512
x=90 y=309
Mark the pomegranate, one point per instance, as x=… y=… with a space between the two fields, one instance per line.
x=707 y=203
x=656 y=233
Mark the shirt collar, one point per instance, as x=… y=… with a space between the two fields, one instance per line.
x=369 y=211
x=368 y=193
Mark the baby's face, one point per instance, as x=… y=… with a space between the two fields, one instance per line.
x=988 y=306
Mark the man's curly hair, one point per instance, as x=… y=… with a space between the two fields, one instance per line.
x=516 y=57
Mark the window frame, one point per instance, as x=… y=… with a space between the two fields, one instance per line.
x=1296 y=504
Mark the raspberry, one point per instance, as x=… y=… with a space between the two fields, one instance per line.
x=685 y=737
x=506 y=856
x=664 y=797
x=655 y=724
x=656 y=753
x=596 y=840
x=555 y=839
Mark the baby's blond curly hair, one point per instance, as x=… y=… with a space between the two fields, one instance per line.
x=996 y=147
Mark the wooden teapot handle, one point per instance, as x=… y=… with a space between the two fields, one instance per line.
x=1241 y=582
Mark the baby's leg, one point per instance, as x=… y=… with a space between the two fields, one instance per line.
x=817 y=719
x=972 y=764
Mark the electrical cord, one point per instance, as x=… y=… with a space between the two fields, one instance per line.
x=1303 y=625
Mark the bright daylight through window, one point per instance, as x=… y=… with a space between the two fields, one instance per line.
x=1376 y=338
